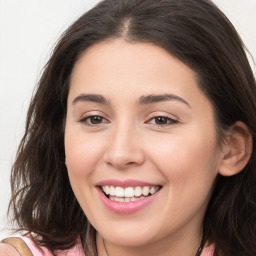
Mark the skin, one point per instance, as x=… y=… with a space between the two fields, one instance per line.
x=8 y=250
x=180 y=154
x=168 y=141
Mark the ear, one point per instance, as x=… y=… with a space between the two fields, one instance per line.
x=236 y=150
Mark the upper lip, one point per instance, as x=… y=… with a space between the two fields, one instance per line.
x=125 y=183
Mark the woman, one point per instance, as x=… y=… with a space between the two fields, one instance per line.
x=140 y=138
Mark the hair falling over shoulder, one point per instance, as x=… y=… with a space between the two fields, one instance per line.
x=197 y=33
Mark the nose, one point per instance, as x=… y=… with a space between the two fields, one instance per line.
x=124 y=149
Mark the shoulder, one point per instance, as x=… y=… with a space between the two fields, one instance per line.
x=8 y=250
x=77 y=250
x=16 y=246
x=25 y=244
x=208 y=250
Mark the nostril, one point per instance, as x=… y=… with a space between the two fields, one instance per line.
x=130 y=163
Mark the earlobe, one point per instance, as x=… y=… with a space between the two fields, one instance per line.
x=237 y=150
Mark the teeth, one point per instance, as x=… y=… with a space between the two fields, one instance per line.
x=126 y=200
x=130 y=193
x=112 y=191
x=145 y=191
x=138 y=191
x=106 y=190
x=119 y=192
x=153 y=190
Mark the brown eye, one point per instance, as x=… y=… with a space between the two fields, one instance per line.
x=162 y=121
x=93 y=120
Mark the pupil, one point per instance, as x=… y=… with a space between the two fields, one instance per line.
x=161 y=120
x=96 y=120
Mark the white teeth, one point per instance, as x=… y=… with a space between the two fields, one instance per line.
x=153 y=190
x=131 y=193
x=119 y=192
x=138 y=191
x=145 y=191
x=106 y=190
x=125 y=200
x=112 y=191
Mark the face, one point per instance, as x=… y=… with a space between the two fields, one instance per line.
x=140 y=142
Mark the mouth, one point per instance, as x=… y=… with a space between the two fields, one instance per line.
x=128 y=194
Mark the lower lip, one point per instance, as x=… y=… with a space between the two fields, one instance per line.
x=127 y=207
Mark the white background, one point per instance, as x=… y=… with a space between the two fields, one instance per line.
x=28 y=30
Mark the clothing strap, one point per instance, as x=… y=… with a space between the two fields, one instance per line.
x=19 y=245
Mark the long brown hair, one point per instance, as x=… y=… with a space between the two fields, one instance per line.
x=197 y=33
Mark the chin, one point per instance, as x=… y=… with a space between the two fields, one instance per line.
x=128 y=236
x=132 y=240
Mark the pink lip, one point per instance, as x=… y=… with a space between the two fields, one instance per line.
x=125 y=183
x=127 y=207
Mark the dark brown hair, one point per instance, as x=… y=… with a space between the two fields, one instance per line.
x=198 y=34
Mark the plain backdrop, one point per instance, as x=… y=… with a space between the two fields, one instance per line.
x=28 y=31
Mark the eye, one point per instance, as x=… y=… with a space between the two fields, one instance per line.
x=162 y=121
x=93 y=120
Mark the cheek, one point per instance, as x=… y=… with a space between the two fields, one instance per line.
x=82 y=154
x=190 y=168
x=186 y=158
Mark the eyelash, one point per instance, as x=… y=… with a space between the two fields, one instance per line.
x=88 y=120
x=168 y=121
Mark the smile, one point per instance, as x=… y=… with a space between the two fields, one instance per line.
x=128 y=194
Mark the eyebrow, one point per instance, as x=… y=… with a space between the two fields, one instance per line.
x=143 y=100
x=155 y=98
x=90 y=97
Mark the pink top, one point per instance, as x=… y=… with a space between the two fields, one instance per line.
x=78 y=250
x=208 y=251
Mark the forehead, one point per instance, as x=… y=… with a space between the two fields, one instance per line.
x=123 y=74
x=122 y=64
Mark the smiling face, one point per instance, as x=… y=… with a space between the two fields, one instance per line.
x=137 y=123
